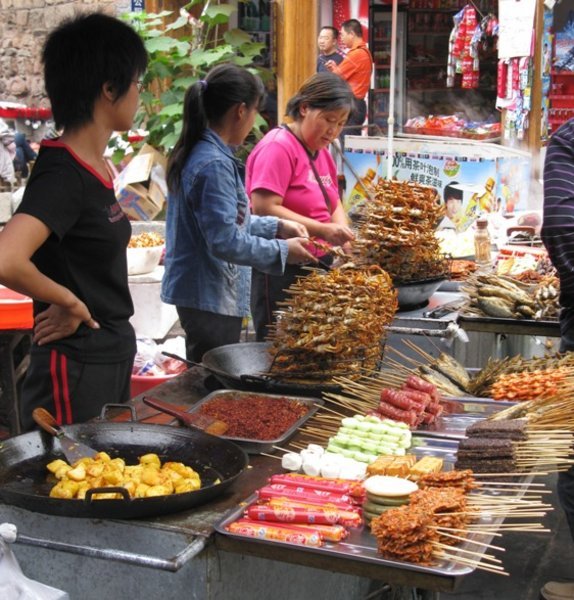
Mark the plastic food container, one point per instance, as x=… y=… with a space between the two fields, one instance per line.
x=15 y=310
x=143 y=383
x=143 y=260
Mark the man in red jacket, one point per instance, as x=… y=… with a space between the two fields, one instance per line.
x=356 y=69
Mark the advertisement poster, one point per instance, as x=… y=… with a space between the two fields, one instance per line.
x=344 y=10
x=468 y=183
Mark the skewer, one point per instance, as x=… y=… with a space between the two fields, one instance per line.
x=270 y=455
x=481 y=555
x=524 y=474
x=506 y=483
x=465 y=530
x=281 y=449
x=471 y=563
x=463 y=539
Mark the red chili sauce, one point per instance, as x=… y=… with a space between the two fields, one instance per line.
x=255 y=417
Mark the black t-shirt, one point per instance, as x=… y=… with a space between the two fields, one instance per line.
x=86 y=251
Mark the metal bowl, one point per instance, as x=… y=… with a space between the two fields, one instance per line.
x=415 y=294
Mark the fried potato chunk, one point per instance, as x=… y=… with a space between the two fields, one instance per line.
x=147 y=479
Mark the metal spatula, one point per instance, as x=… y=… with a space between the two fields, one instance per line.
x=72 y=449
x=204 y=422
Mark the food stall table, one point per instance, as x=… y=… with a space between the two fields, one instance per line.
x=199 y=563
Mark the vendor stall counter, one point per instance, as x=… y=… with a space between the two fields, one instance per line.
x=180 y=556
x=437 y=326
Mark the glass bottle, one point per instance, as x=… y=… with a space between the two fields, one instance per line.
x=482 y=253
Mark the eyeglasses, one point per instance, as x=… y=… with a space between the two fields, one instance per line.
x=139 y=84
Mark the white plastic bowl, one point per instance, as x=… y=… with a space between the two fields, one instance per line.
x=143 y=260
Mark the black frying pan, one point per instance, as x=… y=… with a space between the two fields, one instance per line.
x=243 y=366
x=23 y=473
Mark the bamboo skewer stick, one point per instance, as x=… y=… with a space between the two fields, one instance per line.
x=481 y=555
x=463 y=539
x=470 y=563
x=270 y=455
x=476 y=531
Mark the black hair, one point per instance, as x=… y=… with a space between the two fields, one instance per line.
x=352 y=25
x=334 y=30
x=325 y=91
x=80 y=56
x=205 y=104
x=452 y=192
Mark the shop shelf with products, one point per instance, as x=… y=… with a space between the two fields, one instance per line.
x=561 y=98
x=429 y=26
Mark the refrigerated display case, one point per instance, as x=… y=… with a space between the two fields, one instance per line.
x=380 y=45
x=423 y=31
x=429 y=26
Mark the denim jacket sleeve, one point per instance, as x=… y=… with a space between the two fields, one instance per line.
x=222 y=210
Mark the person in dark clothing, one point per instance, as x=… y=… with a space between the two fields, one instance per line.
x=24 y=154
x=558 y=237
x=66 y=245
x=328 y=49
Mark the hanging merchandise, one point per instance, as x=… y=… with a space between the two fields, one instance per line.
x=467 y=39
x=463 y=50
x=515 y=66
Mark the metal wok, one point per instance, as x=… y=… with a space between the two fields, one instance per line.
x=415 y=294
x=244 y=366
x=24 y=477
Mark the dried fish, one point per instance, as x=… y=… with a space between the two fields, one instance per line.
x=451 y=368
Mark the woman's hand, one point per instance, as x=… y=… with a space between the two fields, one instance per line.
x=58 y=322
x=337 y=234
x=298 y=253
x=288 y=229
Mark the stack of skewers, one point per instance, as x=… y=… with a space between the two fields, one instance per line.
x=441 y=514
x=396 y=231
x=332 y=323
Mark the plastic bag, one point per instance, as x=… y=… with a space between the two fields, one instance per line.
x=14 y=585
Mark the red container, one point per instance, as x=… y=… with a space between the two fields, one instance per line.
x=143 y=383
x=15 y=310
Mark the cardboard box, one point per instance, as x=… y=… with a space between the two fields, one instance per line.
x=141 y=188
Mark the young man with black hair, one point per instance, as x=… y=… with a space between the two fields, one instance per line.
x=66 y=245
x=356 y=69
x=327 y=43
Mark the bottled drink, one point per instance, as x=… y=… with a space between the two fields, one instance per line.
x=482 y=254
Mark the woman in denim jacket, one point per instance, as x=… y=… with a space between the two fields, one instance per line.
x=212 y=240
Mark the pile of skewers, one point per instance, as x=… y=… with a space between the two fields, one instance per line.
x=441 y=514
x=332 y=323
x=510 y=378
x=396 y=231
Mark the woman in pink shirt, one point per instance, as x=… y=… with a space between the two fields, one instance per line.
x=291 y=175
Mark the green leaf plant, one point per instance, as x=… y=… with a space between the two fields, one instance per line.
x=181 y=53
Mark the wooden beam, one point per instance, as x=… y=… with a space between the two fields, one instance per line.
x=534 y=121
x=295 y=23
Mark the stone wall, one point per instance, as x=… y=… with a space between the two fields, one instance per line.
x=23 y=27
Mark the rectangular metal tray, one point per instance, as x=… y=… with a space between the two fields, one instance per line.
x=361 y=545
x=459 y=414
x=253 y=446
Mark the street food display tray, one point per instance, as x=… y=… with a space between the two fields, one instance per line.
x=254 y=446
x=361 y=544
x=460 y=413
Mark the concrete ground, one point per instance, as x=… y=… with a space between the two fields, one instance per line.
x=530 y=559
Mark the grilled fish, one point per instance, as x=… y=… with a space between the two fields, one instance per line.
x=444 y=384
x=451 y=368
x=496 y=307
